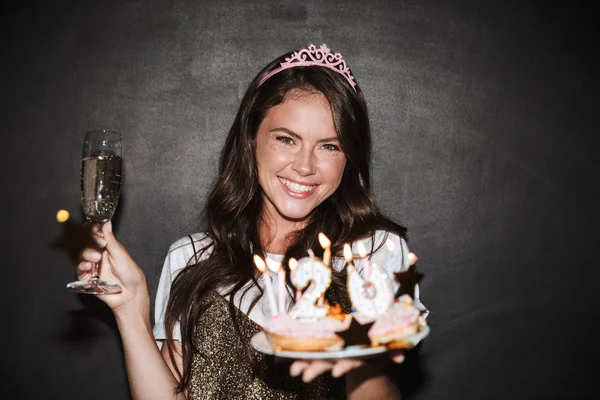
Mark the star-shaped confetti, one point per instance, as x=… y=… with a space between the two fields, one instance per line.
x=408 y=280
x=356 y=334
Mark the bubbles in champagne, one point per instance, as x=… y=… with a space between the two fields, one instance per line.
x=100 y=186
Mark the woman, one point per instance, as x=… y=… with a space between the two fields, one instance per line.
x=295 y=163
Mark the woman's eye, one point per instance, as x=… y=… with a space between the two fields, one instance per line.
x=331 y=147
x=285 y=139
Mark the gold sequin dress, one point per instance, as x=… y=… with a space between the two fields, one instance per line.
x=223 y=370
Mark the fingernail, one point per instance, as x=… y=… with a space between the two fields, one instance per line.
x=109 y=226
x=398 y=359
x=96 y=256
x=101 y=242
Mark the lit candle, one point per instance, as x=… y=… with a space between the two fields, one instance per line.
x=281 y=287
x=277 y=268
x=363 y=254
x=260 y=264
x=392 y=249
x=412 y=259
x=326 y=245
x=293 y=263
x=348 y=254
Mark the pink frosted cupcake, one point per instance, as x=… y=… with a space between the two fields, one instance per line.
x=399 y=322
x=287 y=333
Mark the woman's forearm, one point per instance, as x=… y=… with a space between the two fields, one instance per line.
x=367 y=383
x=149 y=376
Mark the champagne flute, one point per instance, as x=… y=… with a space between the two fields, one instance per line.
x=101 y=167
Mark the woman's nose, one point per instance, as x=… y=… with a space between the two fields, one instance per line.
x=304 y=162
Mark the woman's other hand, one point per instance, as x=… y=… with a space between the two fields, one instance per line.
x=363 y=380
x=117 y=266
x=310 y=369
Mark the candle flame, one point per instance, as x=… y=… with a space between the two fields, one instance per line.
x=390 y=245
x=412 y=258
x=293 y=263
x=347 y=253
x=260 y=264
x=273 y=265
x=324 y=241
x=361 y=250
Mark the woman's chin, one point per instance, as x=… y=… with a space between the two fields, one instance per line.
x=296 y=217
x=294 y=214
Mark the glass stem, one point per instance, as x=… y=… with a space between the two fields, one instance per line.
x=95 y=276
x=96 y=265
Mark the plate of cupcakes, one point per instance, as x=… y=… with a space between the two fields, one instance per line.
x=380 y=320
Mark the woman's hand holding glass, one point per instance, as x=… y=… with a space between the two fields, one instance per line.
x=117 y=266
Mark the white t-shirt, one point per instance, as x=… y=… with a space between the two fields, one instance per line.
x=182 y=251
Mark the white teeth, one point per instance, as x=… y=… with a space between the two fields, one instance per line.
x=296 y=187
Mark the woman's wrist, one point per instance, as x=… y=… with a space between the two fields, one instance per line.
x=134 y=309
x=357 y=375
x=371 y=379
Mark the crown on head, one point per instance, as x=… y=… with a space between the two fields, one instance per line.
x=311 y=56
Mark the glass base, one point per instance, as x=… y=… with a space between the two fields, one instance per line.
x=95 y=286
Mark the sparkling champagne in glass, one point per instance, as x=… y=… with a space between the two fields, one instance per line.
x=101 y=167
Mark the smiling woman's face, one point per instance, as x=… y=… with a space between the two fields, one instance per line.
x=300 y=162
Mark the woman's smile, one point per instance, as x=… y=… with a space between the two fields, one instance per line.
x=297 y=189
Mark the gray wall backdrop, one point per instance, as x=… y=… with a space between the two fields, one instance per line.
x=483 y=116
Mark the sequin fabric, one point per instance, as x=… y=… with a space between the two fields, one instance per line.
x=223 y=370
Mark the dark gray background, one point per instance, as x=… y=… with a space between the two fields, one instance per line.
x=483 y=117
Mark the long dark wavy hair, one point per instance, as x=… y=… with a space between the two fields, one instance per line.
x=234 y=205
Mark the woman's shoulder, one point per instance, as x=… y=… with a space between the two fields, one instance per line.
x=196 y=246
x=378 y=239
x=196 y=240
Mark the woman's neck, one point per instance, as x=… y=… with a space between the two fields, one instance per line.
x=277 y=233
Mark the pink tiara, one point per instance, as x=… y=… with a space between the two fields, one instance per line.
x=310 y=56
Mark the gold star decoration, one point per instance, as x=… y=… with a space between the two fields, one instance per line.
x=356 y=334
x=408 y=280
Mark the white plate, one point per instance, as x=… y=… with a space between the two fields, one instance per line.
x=261 y=343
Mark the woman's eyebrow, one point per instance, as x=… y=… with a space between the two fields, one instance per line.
x=288 y=131
x=329 y=139
x=296 y=136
